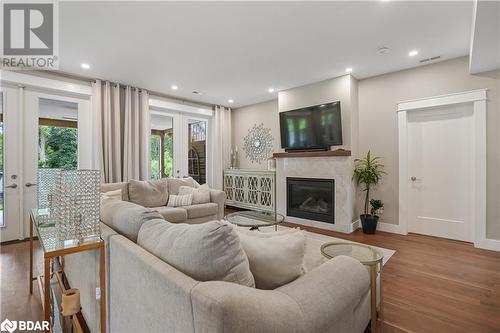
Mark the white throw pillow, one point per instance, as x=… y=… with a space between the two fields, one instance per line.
x=276 y=258
x=180 y=200
x=200 y=195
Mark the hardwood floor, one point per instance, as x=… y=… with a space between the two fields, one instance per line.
x=435 y=285
x=430 y=284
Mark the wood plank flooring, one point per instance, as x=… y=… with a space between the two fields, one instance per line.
x=430 y=284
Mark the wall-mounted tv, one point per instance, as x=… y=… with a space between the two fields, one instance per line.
x=311 y=128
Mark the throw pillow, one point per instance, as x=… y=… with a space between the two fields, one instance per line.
x=180 y=200
x=276 y=258
x=207 y=252
x=116 y=194
x=152 y=193
x=126 y=217
x=200 y=195
x=175 y=183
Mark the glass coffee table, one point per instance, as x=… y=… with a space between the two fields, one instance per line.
x=254 y=219
x=368 y=256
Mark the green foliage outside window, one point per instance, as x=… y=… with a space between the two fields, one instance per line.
x=58 y=147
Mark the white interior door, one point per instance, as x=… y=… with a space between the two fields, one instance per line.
x=440 y=166
x=10 y=186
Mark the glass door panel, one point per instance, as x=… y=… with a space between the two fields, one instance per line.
x=197 y=150
x=162 y=145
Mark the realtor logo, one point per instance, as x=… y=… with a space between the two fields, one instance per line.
x=30 y=34
x=24 y=325
x=8 y=326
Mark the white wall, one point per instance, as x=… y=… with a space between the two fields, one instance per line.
x=378 y=130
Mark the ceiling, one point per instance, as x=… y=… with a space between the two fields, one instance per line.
x=237 y=50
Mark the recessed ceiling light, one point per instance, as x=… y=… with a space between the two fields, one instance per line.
x=230 y=101
x=174 y=87
x=348 y=70
x=413 y=53
x=271 y=90
x=85 y=66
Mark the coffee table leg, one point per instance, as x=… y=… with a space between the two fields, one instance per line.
x=373 y=291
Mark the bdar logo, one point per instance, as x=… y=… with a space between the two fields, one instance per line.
x=8 y=326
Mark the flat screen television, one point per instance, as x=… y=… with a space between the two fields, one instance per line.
x=311 y=128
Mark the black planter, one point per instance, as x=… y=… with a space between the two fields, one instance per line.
x=369 y=223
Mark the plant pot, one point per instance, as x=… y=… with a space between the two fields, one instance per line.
x=369 y=223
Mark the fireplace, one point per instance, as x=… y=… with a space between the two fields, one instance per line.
x=311 y=198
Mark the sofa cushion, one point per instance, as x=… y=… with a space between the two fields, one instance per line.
x=201 y=210
x=207 y=252
x=175 y=183
x=125 y=217
x=151 y=193
x=106 y=187
x=200 y=195
x=276 y=258
x=172 y=214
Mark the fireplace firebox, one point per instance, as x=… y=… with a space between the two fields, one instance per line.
x=311 y=198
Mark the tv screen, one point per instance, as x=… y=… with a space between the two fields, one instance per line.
x=312 y=127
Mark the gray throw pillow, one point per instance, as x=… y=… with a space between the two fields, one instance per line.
x=206 y=252
x=152 y=193
x=175 y=183
x=126 y=217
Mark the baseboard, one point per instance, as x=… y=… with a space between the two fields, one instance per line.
x=488 y=244
x=389 y=227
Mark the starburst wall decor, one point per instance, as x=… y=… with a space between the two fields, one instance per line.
x=258 y=143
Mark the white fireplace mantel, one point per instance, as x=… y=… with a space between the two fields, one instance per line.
x=339 y=168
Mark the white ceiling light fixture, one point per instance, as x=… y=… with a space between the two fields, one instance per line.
x=271 y=90
x=230 y=101
x=85 y=66
x=348 y=70
x=174 y=87
x=413 y=53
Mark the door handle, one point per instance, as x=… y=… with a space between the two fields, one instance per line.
x=30 y=184
x=414 y=179
x=11 y=186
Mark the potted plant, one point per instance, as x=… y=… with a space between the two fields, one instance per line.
x=368 y=171
x=377 y=207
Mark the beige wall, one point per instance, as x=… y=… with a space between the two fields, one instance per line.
x=378 y=131
x=244 y=118
x=343 y=89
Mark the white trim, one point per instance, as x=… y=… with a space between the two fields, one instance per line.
x=489 y=244
x=163 y=104
x=456 y=98
x=393 y=228
x=478 y=98
x=45 y=84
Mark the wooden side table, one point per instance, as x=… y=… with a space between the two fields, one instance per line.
x=369 y=257
x=53 y=248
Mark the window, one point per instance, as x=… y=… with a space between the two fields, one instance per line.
x=57 y=144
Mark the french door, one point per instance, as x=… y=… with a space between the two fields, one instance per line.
x=40 y=130
x=180 y=145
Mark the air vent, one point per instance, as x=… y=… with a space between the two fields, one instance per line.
x=430 y=59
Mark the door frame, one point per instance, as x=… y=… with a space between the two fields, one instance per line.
x=478 y=99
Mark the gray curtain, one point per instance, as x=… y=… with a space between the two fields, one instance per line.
x=221 y=152
x=122 y=131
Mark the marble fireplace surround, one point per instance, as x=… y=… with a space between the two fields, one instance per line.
x=339 y=168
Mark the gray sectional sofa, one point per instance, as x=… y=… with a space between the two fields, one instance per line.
x=213 y=210
x=147 y=294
